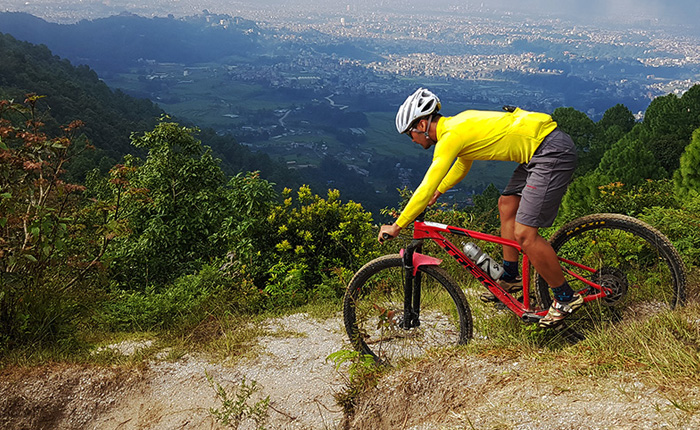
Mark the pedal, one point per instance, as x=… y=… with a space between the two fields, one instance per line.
x=530 y=318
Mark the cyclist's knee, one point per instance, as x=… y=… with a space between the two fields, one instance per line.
x=525 y=235
x=508 y=206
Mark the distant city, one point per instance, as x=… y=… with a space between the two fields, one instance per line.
x=469 y=42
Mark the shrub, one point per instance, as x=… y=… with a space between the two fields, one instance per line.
x=303 y=244
x=681 y=225
x=180 y=305
x=618 y=198
x=173 y=206
x=49 y=249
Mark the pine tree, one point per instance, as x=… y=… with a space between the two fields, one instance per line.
x=687 y=177
x=629 y=161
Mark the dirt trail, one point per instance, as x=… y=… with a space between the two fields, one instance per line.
x=453 y=392
x=291 y=369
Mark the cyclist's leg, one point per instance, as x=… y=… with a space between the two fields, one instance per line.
x=549 y=172
x=511 y=280
x=545 y=261
x=643 y=273
x=540 y=253
x=508 y=205
x=548 y=175
x=507 y=208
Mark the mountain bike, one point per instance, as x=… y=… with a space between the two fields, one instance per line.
x=399 y=306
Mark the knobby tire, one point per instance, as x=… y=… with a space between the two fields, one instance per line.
x=373 y=311
x=639 y=263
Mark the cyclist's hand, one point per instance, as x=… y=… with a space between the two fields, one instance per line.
x=388 y=232
x=434 y=198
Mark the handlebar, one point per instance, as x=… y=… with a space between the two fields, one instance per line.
x=386 y=236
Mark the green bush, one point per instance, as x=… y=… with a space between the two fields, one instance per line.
x=285 y=287
x=595 y=193
x=681 y=225
x=182 y=304
x=172 y=207
x=618 y=198
x=307 y=244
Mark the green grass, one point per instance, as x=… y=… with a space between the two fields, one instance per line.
x=663 y=350
x=385 y=141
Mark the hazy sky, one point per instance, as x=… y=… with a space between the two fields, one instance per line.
x=666 y=11
x=678 y=10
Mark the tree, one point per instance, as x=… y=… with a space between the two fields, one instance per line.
x=690 y=101
x=618 y=115
x=668 y=129
x=49 y=253
x=577 y=124
x=687 y=178
x=629 y=161
x=486 y=208
x=175 y=216
x=582 y=194
x=583 y=131
x=665 y=116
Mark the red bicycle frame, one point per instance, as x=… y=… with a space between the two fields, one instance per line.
x=525 y=309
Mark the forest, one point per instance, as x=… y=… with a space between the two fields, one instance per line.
x=117 y=218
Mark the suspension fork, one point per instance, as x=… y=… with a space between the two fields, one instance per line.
x=412 y=286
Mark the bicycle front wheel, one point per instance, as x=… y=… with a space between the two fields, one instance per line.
x=637 y=263
x=374 y=306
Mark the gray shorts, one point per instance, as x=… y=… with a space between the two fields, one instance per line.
x=542 y=182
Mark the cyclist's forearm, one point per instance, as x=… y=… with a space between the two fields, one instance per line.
x=458 y=171
x=433 y=200
x=416 y=205
x=405 y=219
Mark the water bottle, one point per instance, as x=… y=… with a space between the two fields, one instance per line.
x=483 y=260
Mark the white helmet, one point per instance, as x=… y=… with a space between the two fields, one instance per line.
x=417 y=105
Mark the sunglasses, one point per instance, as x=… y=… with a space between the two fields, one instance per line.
x=410 y=130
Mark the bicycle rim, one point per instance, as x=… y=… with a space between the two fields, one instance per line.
x=374 y=305
x=639 y=265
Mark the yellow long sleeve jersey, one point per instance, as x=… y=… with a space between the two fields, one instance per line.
x=476 y=135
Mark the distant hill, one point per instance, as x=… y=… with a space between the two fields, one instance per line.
x=74 y=93
x=119 y=41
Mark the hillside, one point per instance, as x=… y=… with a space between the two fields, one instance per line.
x=110 y=116
x=283 y=93
x=73 y=93
x=119 y=293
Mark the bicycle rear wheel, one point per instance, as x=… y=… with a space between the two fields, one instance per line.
x=637 y=262
x=374 y=306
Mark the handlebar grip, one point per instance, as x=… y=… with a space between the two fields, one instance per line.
x=386 y=236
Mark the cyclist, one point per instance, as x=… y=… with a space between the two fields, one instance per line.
x=531 y=200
